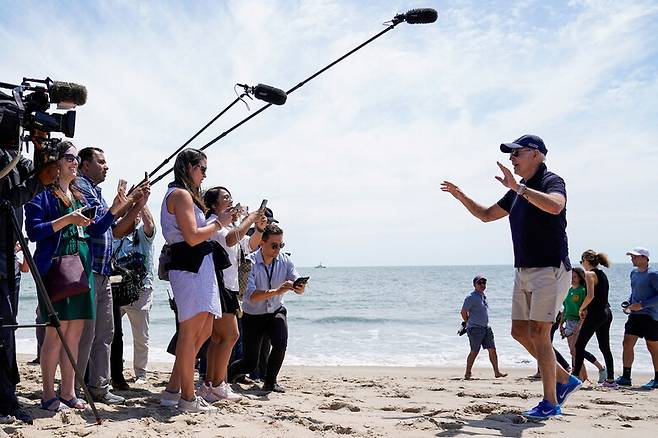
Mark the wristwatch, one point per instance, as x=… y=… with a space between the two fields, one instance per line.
x=521 y=189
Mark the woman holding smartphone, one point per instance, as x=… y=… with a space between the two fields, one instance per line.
x=191 y=275
x=54 y=219
x=219 y=202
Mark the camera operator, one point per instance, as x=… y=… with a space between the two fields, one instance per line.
x=18 y=187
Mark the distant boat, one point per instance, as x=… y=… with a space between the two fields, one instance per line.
x=320 y=266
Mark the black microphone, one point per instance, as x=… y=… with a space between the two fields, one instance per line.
x=266 y=93
x=418 y=16
x=270 y=94
x=67 y=92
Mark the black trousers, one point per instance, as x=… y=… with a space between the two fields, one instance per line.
x=254 y=329
x=8 y=368
x=558 y=356
x=595 y=323
x=116 y=352
x=265 y=347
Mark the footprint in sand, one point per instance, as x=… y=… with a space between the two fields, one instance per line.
x=336 y=405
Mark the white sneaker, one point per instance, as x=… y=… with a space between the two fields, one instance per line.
x=196 y=405
x=224 y=392
x=169 y=399
x=140 y=381
x=205 y=392
x=603 y=375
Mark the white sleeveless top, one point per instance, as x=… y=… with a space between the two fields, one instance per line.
x=194 y=292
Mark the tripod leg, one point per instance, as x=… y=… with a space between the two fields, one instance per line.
x=53 y=320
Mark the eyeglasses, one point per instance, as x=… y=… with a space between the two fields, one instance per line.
x=278 y=245
x=70 y=158
x=482 y=282
x=517 y=152
x=202 y=168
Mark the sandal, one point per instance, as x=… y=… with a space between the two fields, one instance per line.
x=52 y=405
x=74 y=403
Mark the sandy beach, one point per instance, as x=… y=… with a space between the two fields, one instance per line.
x=358 y=402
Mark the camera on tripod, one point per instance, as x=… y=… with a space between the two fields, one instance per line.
x=27 y=109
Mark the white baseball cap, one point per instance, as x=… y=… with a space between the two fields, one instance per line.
x=639 y=251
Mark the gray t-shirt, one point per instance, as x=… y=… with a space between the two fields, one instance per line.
x=478 y=310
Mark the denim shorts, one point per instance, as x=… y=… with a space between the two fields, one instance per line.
x=480 y=337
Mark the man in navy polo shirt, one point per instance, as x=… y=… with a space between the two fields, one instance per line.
x=536 y=207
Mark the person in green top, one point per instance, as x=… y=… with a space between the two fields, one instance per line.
x=571 y=322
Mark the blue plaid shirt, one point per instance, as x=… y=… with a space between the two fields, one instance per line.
x=101 y=246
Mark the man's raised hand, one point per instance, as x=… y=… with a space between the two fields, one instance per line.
x=507 y=179
x=447 y=186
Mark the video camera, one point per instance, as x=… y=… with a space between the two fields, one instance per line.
x=26 y=109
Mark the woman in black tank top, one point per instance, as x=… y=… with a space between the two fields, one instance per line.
x=595 y=313
x=599 y=303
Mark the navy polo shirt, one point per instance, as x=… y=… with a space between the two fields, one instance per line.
x=539 y=237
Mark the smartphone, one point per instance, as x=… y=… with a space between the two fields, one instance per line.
x=89 y=212
x=300 y=281
x=237 y=208
x=122 y=185
x=263 y=205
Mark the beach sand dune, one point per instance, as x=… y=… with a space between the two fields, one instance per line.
x=356 y=402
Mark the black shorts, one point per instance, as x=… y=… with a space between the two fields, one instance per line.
x=642 y=326
x=229 y=301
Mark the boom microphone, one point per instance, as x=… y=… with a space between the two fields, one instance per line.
x=67 y=93
x=418 y=16
x=266 y=93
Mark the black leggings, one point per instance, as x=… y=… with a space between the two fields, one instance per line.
x=599 y=323
x=560 y=359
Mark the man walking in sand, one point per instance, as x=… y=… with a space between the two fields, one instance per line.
x=536 y=207
x=642 y=312
x=475 y=313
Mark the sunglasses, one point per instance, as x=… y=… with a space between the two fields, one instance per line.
x=517 y=152
x=70 y=158
x=278 y=245
x=202 y=168
x=482 y=282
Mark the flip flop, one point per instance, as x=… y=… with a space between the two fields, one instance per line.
x=74 y=403
x=52 y=405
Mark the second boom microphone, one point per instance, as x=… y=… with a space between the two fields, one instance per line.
x=266 y=93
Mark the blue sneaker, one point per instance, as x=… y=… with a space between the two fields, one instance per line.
x=623 y=381
x=564 y=390
x=543 y=411
x=651 y=384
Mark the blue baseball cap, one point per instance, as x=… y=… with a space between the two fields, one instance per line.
x=525 y=141
x=479 y=278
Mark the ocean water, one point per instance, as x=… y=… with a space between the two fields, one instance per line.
x=382 y=316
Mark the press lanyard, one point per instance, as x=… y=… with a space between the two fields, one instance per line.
x=270 y=273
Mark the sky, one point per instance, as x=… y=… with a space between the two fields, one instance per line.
x=352 y=163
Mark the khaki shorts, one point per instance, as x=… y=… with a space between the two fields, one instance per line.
x=539 y=292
